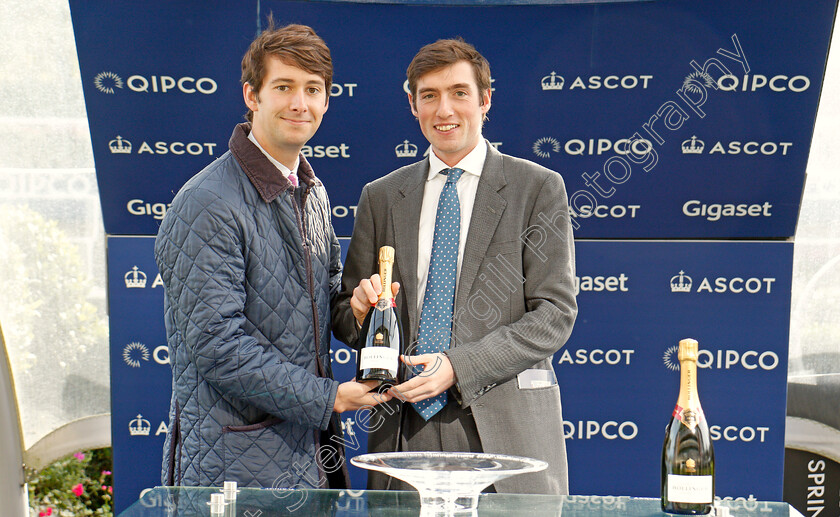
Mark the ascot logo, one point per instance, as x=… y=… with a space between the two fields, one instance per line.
x=135 y=279
x=108 y=82
x=139 y=426
x=544 y=146
x=406 y=150
x=597 y=356
x=120 y=145
x=552 y=82
x=555 y=82
x=605 y=211
x=695 y=146
x=135 y=352
x=338 y=89
x=681 y=283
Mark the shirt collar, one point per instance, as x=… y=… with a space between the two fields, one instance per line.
x=285 y=171
x=473 y=163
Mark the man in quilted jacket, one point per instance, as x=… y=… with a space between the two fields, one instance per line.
x=250 y=264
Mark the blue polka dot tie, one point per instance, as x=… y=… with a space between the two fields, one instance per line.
x=439 y=300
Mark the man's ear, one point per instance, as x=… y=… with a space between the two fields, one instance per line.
x=250 y=96
x=485 y=101
x=411 y=105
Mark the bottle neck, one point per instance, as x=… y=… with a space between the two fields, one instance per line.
x=385 y=268
x=689 y=398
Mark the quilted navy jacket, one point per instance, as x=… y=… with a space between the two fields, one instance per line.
x=249 y=266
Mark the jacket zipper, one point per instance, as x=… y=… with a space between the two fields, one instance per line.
x=307 y=258
x=322 y=477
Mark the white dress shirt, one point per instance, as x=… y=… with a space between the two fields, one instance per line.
x=285 y=171
x=472 y=164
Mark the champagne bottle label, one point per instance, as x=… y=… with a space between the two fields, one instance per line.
x=690 y=489
x=378 y=357
x=383 y=304
x=688 y=416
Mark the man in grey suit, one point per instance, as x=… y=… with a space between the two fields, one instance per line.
x=481 y=346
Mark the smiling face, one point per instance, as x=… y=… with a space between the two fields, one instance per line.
x=287 y=110
x=450 y=109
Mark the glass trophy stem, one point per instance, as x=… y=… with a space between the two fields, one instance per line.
x=435 y=503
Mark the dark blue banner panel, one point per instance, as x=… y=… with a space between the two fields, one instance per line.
x=666 y=119
x=618 y=373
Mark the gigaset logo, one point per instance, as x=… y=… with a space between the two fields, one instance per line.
x=140 y=207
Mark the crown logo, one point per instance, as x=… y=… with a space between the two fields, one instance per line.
x=681 y=283
x=135 y=278
x=119 y=146
x=139 y=426
x=693 y=146
x=552 y=82
x=406 y=150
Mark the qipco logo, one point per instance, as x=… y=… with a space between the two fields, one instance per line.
x=110 y=83
x=728 y=359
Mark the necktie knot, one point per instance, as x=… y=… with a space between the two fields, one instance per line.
x=293 y=179
x=453 y=174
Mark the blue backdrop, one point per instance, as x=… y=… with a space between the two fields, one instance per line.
x=666 y=119
x=618 y=373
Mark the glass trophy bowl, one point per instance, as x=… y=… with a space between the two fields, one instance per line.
x=449 y=482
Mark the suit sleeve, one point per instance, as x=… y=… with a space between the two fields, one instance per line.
x=548 y=258
x=199 y=252
x=361 y=261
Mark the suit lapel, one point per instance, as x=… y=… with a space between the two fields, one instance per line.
x=487 y=211
x=405 y=214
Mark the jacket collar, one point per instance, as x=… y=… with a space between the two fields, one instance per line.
x=260 y=171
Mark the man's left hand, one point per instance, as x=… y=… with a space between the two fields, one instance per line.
x=436 y=377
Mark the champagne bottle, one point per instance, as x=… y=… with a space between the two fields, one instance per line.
x=688 y=457
x=380 y=339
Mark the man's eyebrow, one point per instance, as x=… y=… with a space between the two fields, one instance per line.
x=287 y=80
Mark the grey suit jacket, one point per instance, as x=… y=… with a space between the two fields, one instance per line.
x=514 y=306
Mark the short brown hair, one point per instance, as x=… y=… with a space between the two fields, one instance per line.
x=296 y=45
x=443 y=53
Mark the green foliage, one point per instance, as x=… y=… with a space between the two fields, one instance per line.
x=77 y=485
x=44 y=270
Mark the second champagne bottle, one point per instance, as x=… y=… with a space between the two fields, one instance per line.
x=380 y=338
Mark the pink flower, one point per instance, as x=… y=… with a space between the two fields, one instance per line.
x=78 y=490
x=79 y=456
x=106 y=472
x=45 y=513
